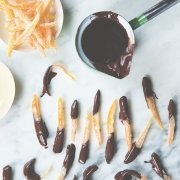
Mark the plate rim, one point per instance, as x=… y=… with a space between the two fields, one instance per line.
x=13 y=90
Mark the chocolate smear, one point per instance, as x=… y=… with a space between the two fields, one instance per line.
x=132 y=154
x=74 y=110
x=29 y=171
x=96 y=102
x=41 y=132
x=110 y=148
x=7 y=173
x=69 y=158
x=124 y=112
x=172 y=108
x=89 y=171
x=157 y=165
x=84 y=153
x=127 y=175
x=49 y=75
x=59 y=141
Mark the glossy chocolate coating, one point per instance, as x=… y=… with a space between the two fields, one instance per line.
x=132 y=154
x=59 y=141
x=124 y=112
x=127 y=175
x=84 y=153
x=74 y=110
x=96 y=102
x=157 y=165
x=110 y=148
x=147 y=87
x=29 y=171
x=69 y=158
x=106 y=44
x=48 y=76
x=172 y=108
x=89 y=171
x=41 y=132
x=7 y=173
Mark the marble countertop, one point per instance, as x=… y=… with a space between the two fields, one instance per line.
x=157 y=55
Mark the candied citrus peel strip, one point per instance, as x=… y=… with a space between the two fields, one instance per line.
x=141 y=138
x=64 y=70
x=36 y=108
x=61 y=121
x=110 y=119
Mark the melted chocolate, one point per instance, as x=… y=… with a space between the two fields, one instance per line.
x=89 y=171
x=110 y=148
x=106 y=44
x=7 y=173
x=96 y=102
x=84 y=153
x=49 y=75
x=124 y=113
x=172 y=108
x=69 y=158
x=132 y=154
x=127 y=175
x=74 y=110
x=41 y=132
x=29 y=171
x=157 y=165
x=59 y=141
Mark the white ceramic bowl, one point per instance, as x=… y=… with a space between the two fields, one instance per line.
x=7 y=90
x=59 y=16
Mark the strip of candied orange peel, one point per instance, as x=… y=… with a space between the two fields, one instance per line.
x=150 y=100
x=50 y=74
x=74 y=118
x=40 y=126
x=59 y=139
x=172 y=122
x=111 y=144
x=84 y=153
x=97 y=117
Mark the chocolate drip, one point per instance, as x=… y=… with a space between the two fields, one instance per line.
x=110 y=148
x=127 y=175
x=7 y=173
x=59 y=141
x=74 y=110
x=157 y=165
x=124 y=113
x=49 y=75
x=172 y=108
x=96 y=102
x=69 y=158
x=89 y=171
x=75 y=178
x=84 y=153
x=29 y=171
x=41 y=132
x=132 y=154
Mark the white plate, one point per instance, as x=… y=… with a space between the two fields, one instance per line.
x=59 y=23
x=7 y=90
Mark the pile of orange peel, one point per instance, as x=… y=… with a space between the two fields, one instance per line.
x=31 y=22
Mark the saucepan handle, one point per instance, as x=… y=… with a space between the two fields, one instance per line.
x=152 y=12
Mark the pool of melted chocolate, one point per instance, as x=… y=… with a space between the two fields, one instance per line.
x=105 y=42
